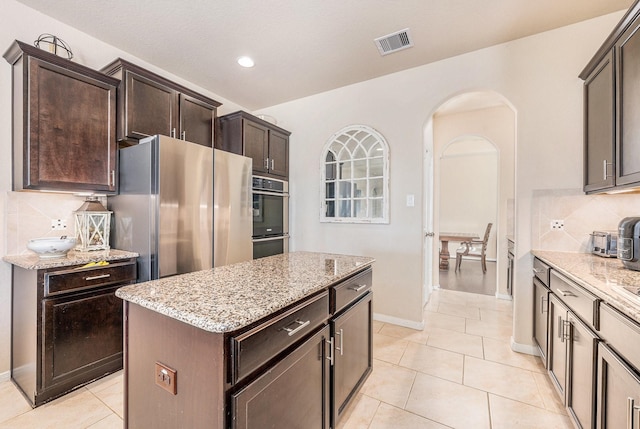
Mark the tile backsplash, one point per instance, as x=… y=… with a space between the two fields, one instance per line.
x=582 y=214
x=29 y=215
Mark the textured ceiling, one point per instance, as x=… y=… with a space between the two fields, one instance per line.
x=304 y=47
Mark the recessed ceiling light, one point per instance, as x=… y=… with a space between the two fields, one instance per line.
x=245 y=62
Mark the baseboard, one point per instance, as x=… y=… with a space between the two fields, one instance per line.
x=5 y=376
x=397 y=321
x=524 y=348
x=504 y=296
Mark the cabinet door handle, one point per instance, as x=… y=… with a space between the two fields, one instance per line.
x=301 y=325
x=173 y=133
x=566 y=293
x=357 y=288
x=604 y=169
x=112 y=178
x=560 y=329
x=183 y=135
x=567 y=330
x=630 y=412
x=273 y=164
x=341 y=348
x=542 y=300
x=330 y=357
x=101 y=276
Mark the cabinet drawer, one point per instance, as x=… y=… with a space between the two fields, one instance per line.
x=583 y=303
x=348 y=291
x=622 y=334
x=57 y=282
x=541 y=271
x=257 y=346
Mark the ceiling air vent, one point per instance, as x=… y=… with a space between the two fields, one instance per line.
x=394 y=42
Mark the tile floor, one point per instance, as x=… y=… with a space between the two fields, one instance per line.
x=459 y=372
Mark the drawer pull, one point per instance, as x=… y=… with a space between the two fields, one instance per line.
x=357 y=288
x=101 y=276
x=301 y=326
x=537 y=270
x=341 y=348
x=566 y=293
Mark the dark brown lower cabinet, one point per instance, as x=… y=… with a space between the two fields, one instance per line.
x=353 y=357
x=557 y=359
x=66 y=327
x=618 y=403
x=540 y=318
x=581 y=372
x=294 y=394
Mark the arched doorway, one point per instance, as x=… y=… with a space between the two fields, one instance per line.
x=484 y=114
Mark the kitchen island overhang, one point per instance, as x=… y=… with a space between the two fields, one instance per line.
x=235 y=341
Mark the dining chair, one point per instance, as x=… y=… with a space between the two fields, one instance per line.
x=474 y=248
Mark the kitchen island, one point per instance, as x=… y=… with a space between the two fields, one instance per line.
x=283 y=341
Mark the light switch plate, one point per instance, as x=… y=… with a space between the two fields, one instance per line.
x=411 y=200
x=166 y=378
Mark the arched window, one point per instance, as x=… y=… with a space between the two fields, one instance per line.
x=355 y=176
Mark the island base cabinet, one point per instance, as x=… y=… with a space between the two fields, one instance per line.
x=294 y=394
x=195 y=355
x=618 y=403
x=353 y=361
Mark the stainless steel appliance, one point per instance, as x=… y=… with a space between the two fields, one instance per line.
x=270 y=216
x=165 y=208
x=629 y=242
x=605 y=243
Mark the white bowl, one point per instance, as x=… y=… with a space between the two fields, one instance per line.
x=51 y=247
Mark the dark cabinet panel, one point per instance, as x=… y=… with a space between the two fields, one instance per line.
x=540 y=318
x=353 y=360
x=81 y=332
x=64 y=123
x=149 y=108
x=557 y=359
x=196 y=120
x=628 y=95
x=265 y=143
x=150 y=104
x=294 y=394
x=581 y=372
x=599 y=127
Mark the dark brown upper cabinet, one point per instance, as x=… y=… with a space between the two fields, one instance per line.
x=612 y=110
x=265 y=143
x=63 y=123
x=149 y=104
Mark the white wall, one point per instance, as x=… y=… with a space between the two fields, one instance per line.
x=497 y=125
x=22 y=23
x=539 y=77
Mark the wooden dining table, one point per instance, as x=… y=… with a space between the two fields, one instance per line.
x=445 y=238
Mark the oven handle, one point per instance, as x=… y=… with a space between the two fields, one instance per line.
x=277 y=237
x=275 y=194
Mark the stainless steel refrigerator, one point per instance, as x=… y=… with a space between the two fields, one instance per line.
x=182 y=206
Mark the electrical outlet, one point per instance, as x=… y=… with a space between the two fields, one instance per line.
x=57 y=224
x=166 y=378
x=557 y=224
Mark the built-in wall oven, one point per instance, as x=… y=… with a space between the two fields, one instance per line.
x=270 y=216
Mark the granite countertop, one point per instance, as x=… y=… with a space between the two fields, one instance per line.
x=227 y=298
x=32 y=261
x=604 y=277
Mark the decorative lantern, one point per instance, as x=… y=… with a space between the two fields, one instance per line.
x=93 y=223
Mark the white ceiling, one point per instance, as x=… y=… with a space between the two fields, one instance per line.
x=304 y=47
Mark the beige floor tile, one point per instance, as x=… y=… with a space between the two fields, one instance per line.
x=408 y=334
x=110 y=392
x=460 y=310
x=433 y=361
x=12 y=403
x=449 y=403
x=456 y=342
x=500 y=351
x=390 y=417
x=388 y=349
x=495 y=316
x=106 y=382
x=490 y=303
x=389 y=383
x=360 y=413
x=443 y=321
x=377 y=325
x=550 y=396
x=76 y=410
x=509 y=414
x=503 y=380
x=110 y=422
x=495 y=330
